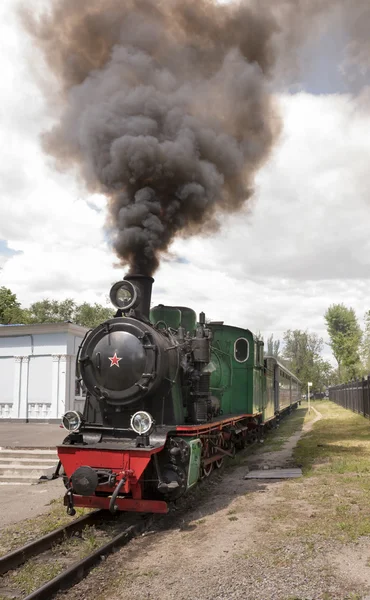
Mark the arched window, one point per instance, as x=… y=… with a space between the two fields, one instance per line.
x=241 y=350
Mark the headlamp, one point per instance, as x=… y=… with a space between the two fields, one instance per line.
x=124 y=295
x=142 y=422
x=72 y=420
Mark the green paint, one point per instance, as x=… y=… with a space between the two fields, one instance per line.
x=239 y=385
x=240 y=378
x=167 y=314
x=178 y=404
x=174 y=316
x=194 y=461
x=188 y=318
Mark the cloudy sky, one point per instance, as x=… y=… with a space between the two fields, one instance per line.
x=301 y=244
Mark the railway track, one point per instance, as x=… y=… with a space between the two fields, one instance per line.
x=79 y=569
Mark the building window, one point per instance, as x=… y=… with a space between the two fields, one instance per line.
x=241 y=350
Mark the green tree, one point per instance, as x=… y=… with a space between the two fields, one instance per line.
x=10 y=308
x=302 y=354
x=90 y=315
x=325 y=374
x=273 y=346
x=345 y=337
x=365 y=348
x=52 y=311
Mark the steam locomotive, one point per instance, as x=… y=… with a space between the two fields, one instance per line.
x=168 y=397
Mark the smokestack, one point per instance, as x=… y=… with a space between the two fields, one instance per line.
x=144 y=283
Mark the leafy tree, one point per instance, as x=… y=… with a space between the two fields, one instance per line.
x=52 y=311
x=10 y=308
x=90 y=315
x=325 y=374
x=345 y=336
x=365 y=348
x=302 y=354
x=273 y=346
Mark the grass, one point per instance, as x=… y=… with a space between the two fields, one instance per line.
x=325 y=512
x=23 y=532
x=33 y=574
x=334 y=493
x=276 y=438
x=45 y=567
x=339 y=443
x=81 y=546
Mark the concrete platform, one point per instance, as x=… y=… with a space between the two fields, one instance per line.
x=30 y=435
x=22 y=501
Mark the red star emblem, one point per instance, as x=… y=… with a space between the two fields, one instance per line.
x=114 y=360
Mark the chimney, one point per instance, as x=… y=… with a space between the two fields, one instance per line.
x=144 y=284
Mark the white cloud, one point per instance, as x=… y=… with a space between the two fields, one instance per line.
x=302 y=243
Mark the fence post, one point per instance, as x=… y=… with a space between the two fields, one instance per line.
x=353 y=395
x=363 y=396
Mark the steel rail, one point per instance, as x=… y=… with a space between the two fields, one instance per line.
x=79 y=570
x=21 y=555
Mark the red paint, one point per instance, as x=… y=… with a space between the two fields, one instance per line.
x=211 y=459
x=214 y=425
x=130 y=464
x=114 y=360
x=124 y=504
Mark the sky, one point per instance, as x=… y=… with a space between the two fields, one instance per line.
x=301 y=244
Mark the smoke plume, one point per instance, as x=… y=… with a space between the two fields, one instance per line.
x=165 y=106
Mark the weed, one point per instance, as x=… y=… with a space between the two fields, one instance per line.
x=33 y=574
x=149 y=573
x=30 y=529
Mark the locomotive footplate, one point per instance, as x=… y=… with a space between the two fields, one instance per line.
x=242 y=422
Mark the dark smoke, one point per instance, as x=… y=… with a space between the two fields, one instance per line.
x=166 y=107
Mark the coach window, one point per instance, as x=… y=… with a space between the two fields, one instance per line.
x=241 y=350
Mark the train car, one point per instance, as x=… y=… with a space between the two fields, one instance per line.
x=283 y=389
x=168 y=397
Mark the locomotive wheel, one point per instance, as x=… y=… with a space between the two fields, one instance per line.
x=206 y=470
x=231 y=448
x=221 y=444
x=240 y=444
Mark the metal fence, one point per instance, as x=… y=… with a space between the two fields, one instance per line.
x=354 y=395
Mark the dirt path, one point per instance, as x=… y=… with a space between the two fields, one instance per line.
x=283 y=458
x=238 y=542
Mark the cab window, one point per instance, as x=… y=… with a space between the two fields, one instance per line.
x=241 y=350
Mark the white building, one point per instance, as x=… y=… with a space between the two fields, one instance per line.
x=37 y=370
